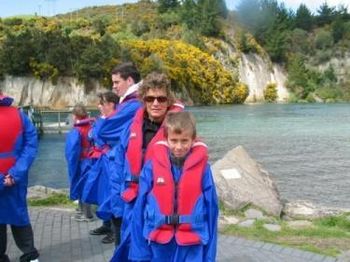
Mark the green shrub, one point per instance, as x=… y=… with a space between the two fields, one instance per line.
x=270 y=92
x=323 y=39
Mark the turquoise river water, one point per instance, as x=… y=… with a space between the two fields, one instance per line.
x=305 y=147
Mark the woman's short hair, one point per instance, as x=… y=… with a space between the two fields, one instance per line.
x=179 y=122
x=156 y=80
x=109 y=97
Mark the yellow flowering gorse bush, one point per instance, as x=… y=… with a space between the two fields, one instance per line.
x=205 y=79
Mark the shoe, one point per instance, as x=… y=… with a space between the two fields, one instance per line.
x=102 y=230
x=84 y=219
x=4 y=258
x=108 y=239
x=77 y=216
x=35 y=260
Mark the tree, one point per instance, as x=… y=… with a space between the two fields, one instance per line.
x=303 y=18
x=166 y=5
x=204 y=15
x=17 y=49
x=338 y=29
x=323 y=39
x=325 y=14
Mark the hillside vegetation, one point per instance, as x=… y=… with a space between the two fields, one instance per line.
x=187 y=40
x=304 y=43
x=156 y=36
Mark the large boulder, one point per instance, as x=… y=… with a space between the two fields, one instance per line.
x=240 y=181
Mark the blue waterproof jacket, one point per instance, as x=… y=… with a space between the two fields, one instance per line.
x=13 y=203
x=78 y=162
x=141 y=249
x=107 y=132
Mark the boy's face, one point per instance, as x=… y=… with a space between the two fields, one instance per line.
x=121 y=85
x=180 y=144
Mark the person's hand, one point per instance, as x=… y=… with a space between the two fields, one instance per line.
x=9 y=181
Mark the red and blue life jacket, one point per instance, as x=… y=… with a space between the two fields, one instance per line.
x=83 y=126
x=11 y=128
x=176 y=202
x=134 y=153
x=98 y=150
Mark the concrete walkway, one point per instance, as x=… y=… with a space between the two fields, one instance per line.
x=60 y=238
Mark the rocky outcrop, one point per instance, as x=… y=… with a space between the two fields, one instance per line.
x=254 y=70
x=302 y=209
x=40 y=192
x=251 y=69
x=257 y=72
x=241 y=181
x=341 y=65
x=67 y=92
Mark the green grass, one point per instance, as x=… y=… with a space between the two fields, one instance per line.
x=56 y=199
x=328 y=236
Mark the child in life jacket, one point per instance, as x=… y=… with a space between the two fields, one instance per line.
x=77 y=151
x=175 y=214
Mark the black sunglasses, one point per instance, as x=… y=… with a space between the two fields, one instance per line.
x=160 y=99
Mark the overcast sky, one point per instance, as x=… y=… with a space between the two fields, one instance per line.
x=313 y=5
x=52 y=7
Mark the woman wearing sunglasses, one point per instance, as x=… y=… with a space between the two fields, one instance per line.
x=146 y=129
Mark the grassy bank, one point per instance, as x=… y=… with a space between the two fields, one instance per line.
x=328 y=236
x=56 y=199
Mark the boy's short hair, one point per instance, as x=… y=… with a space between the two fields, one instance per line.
x=126 y=70
x=178 y=122
x=156 y=80
x=80 y=111
x=109 y=97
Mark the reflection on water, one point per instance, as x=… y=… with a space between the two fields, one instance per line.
x=305 y=147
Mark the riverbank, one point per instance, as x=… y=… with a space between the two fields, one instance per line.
x=327 y=233
x=60 y=238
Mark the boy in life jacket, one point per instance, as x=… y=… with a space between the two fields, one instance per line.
x=18 y=148
x=175 y=214
x=79 y=162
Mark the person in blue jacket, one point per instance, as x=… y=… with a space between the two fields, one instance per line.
x=107 y=135
x=18 y=148
x=77 y=153
x=175 y=214
x=146 y=129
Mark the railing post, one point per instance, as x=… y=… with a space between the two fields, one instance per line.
x=59 y=122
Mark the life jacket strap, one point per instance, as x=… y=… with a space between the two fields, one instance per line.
x=176 y=219
x=97 y=152
x=133 y=179
x=131 y=192
x=7 y=154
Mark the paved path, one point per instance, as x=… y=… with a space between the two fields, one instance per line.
x=59 y=238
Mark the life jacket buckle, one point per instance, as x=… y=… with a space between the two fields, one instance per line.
x=172 y=220
x=134 y=179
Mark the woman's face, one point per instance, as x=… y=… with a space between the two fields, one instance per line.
x=106 y=108
x=156 y=104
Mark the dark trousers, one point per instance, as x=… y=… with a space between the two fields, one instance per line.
x=117 y=222
x=23 y=236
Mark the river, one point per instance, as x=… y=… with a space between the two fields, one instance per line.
x=305 y=147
